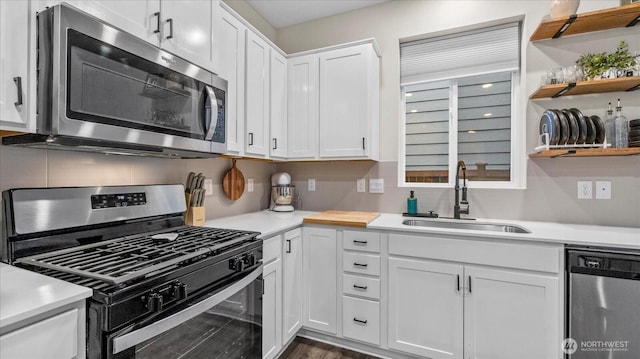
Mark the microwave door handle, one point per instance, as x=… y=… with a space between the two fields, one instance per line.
x=213 y=103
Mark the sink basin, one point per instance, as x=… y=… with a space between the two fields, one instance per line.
x=493 y=227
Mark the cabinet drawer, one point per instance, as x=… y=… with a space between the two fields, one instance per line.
x=361 y=320
x=361 y=286
x=272 y=248
x=361 y=241
x=54 y=338
x=361 y=263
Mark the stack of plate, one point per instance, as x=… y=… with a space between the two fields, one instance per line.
x=570 y=127
x=634 y=133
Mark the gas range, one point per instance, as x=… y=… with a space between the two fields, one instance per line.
x=130 y=245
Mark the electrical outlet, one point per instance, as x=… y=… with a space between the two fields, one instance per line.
x=585 y=190
x=361 y=185
x=376 y=185
x=249 y=184
x=208 y=187
x=603 y=189
x=312 y=184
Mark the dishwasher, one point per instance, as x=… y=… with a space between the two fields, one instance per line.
x=603 y=304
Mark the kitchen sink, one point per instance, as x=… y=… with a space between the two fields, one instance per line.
x=493 y=227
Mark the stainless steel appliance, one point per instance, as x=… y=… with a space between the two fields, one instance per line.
x=160 y=289
x=101 y=89
x=282 y=192
x=603 y=304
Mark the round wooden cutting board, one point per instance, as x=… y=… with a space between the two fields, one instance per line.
x=233 y=182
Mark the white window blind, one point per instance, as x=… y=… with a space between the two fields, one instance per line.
x=469 y=53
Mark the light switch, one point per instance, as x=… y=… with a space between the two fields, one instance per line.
x=312 y=184
x=603 y=189
x=249 y=184
x=376 y=185
x=208 y=187
x=361 y=185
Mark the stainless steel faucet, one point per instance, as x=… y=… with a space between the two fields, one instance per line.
x=461 y=206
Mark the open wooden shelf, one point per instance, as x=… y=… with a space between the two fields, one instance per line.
x=588 y=87
x=587 y=152
x=622 y=16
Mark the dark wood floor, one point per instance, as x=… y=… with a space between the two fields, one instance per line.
x=302 y=348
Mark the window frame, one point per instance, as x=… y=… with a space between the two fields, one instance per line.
x=517 y=138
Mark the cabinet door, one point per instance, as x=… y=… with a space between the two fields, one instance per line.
x=278 y=93
x=187 y=29
x=15 y=20
x=345 y=101
x=510 y=315
x=141 y=18
x=320 y=272
x=271 y=309
x=302 y=106
x=425 y=308
x=257 y=92
x=230 y=62
x=291 y=284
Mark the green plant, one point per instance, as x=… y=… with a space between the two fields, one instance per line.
x=594 y=65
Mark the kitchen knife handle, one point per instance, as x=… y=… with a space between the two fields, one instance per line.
x=170 y=21
x=157 y=15
x=18 y=81
x=288 y=246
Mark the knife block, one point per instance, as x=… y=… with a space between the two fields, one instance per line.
x=194 y=216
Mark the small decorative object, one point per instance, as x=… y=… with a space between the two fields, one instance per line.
x=619 y=63
x=560 y=8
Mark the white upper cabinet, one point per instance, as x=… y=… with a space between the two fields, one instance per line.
x=257 y=95
x=230 y=61
x=333 y=102
x=302 y=120
x=349 y=102
x=187 y=29
x=278 y=105
x=182 y=27
x=15 y=20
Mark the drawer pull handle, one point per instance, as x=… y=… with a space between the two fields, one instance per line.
x=288 y=246
x=359 y=321
x=18 y=81
x=361 y=287
x=458 y=278
x=364 y=243
x=364 y=265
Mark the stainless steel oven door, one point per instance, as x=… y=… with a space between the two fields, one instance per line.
x=226 y=325
x=98 y=82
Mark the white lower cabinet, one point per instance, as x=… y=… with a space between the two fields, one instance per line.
x=52 y=338
x=361 y=319
x=271 y=299
x=446 y=310
x=291 y=284
x=320 y=279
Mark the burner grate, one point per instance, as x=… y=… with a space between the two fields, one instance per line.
x=128 y=258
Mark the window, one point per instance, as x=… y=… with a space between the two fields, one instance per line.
x=459 y=104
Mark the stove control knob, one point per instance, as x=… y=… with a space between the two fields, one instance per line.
x=249 y=259
x=236 y=264
x=180 y=291
x=154 y=302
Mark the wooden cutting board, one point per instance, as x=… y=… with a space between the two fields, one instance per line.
x=233 y=182
x=342 y=218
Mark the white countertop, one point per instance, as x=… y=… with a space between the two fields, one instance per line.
x=549 y=232
x=266 y=222
x=25 y=294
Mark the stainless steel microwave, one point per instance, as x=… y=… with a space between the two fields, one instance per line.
x=101 y=89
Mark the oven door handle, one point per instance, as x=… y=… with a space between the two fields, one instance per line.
x=213 y=121
x=136 y=337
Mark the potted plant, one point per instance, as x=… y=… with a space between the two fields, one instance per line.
x=604 y=65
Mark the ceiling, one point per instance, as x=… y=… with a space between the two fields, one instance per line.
x=283 y=13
